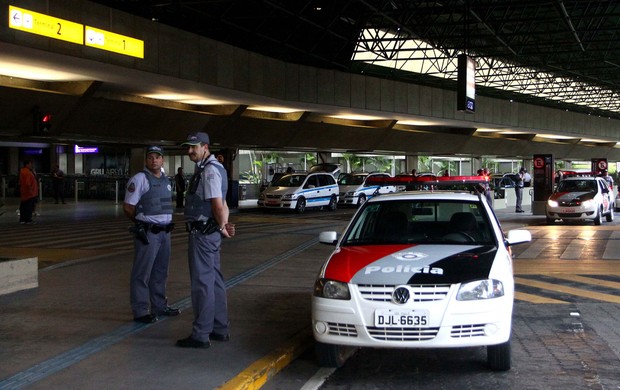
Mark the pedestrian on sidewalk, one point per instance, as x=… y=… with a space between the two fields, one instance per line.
x=179 y=182
x=58 y=183
x=28 y=192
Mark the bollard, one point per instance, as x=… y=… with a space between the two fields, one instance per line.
x=116 y=191
x=75 y=187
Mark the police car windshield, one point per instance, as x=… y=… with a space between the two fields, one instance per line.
x=293 y=180
x=418 y=221
x=577 y=186
x=350 y=180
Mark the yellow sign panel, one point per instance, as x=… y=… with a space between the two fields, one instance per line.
x=36 y=23
x=117 y=43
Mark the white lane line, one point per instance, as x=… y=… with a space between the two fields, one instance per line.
x=318 y=379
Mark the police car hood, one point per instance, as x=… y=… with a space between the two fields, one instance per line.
x=407 y=264
x=569 y=196
x=273 y=190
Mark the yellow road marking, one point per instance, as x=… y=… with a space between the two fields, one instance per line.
x=569 y=290
x=554 y=266
x=257 y=374
x=587 y=280
x=535 y=298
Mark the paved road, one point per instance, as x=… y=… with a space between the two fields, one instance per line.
x=566 y=315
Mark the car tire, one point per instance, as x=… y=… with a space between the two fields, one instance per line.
x=598 y=219
x=300 y=207
x=498 y=356
x=332 y=355
x=361 y=199
x=610 y=215
x=333 y=203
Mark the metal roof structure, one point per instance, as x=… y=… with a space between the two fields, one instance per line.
x=558 y=53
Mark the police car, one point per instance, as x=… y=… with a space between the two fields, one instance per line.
x=581 y=198
x=299 y=191
x=355 y=188
x=417 y=269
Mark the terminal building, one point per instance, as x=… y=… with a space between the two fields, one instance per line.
x=87 y=85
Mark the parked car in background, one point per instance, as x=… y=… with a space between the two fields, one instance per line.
x=581 y=198
x=332 y=168
x=354 y=189
x=499 y=183
x=299 y=191
x=417 y=269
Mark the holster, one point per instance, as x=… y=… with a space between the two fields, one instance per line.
x=139 y=231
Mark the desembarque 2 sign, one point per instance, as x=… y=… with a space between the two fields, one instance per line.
x=65 y=30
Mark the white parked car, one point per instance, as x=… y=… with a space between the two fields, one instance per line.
x=354 y=189
x=581 y=198
x=299 y=191
x=417 y=270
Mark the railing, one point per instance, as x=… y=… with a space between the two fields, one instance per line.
x=77 y=187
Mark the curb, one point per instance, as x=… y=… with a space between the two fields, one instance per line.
x=259 y=372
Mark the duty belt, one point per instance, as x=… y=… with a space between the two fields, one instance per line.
x=205 y=227
x=158 y=228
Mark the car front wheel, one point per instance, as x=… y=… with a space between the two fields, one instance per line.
x=598 y=219
x=331 y=355
x=610 y=215
x=300 y=207
x=498 y=356
x=333 y=203
x=361 y=199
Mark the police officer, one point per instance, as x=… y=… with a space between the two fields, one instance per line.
x=206 y=213
x=148 y=203
x=519 y=191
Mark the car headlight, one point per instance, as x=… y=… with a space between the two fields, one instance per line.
x=332 y=289
x=552 y=203
x=351 y=193
x=261 y=196
x=587 y=203
x=288 y=196
x=480 y=289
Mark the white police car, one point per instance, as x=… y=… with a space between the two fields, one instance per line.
x=581 y=198
x=417 y=270
x=299 y=191
x=355 y=189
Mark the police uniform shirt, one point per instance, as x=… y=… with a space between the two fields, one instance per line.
x=138 y=185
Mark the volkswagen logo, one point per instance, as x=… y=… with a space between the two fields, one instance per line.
x=401 y=295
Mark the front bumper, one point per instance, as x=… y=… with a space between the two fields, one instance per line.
x=452 y=323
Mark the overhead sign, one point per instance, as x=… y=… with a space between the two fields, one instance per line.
x=49 y=26
x=56 y=28
x=86 y=149
x=466 y=84
x=117 y=43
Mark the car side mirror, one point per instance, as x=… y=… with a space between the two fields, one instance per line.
x=518 y=236
x=329 y=238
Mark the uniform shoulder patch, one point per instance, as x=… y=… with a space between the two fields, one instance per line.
x=131 y=187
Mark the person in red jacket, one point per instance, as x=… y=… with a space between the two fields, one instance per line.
x=28 y=192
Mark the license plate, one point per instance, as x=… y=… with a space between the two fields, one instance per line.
x=271 y=202
x=387 y=318
x=568 y=210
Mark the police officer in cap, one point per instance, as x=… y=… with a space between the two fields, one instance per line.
x=148 y=203
x=207 y=214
